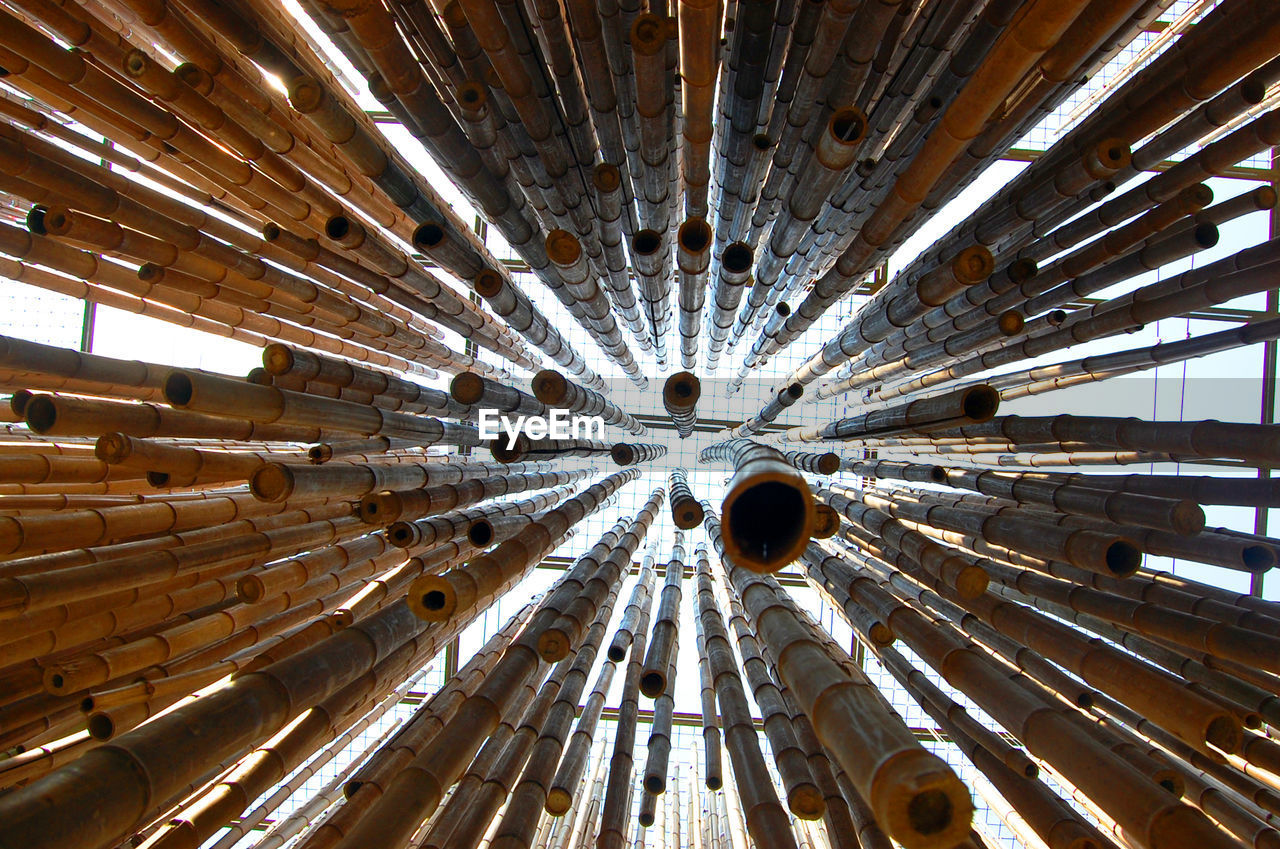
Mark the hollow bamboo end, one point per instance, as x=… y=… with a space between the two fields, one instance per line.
x=646 y=242
x=467 y=388
x=971 y=582
x=973 y=265
x=488 y=283
x=18 y=401
x=653 y=683
x=558 y=802
x=714 y=782
x=379 y=508
x=432 y=598
x=1011 y=322
x=805 y=801
x=687 y=514
x=645 y=818
x=505 y=450
x=429 y=234
x=273 y=482
x=1122 y=558
x=769 y=518
x=1022 y=270
x=826 y=521
x=1205 y=235
x=41 y=413
x=402 y=534
x=111 y=448
x=554 y=645
x=481 y=534
x=549 y=386
x=694 y=235
x=737 y=258
x=250 y=589
x=563 y=248
x=682 y=390
x=606 y=178
x=920 y=802
x=1109 y=156
x=980 y=403
x=320 y=454
x=623 y=454
x=101 y=726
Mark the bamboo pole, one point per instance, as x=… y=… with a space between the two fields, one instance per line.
x=680 y=398
x=768 y=508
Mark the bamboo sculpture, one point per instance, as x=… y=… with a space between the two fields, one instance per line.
x=216 y=588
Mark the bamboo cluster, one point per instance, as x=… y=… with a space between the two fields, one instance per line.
x=214 y=588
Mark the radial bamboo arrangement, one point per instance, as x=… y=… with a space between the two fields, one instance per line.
x=214 y=587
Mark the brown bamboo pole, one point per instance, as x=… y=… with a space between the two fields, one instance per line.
x=529 y=797
x=937 y=823
x=972 y=404
x=680 y=396
x=804 y=798
x=416 y=792
x=726 y=293
x=104 y=774
x=633 y=453
x=555 y=390
x=686 y=511
x=515 y=308
x=566 y=630
x=411 y=505
x=625 y=634
x=663 y=642
x=768 y=508
x=453 y=594
x=769 y=413
x=693 y=259
x=766 y=819
x=615 y=809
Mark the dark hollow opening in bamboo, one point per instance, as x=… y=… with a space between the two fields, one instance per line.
x=19 y=400
x=271 y=232
x=159 y=480
x=56 y=681
x=337 y=227
x=684 y=390
x=101 y=727
x=646 y=820
x=981 y=403
x=846 y=126
x=487 y=283
x=761 y=142
x=654 y=784
x=714 y=783
x=767 y=518
x=433 y=600
x=652 y=684
x=470 y=93
x=737 y=258
x=400 y=535
x=688 y=517
x=1206 y=235
x=784 y=309
x=1123 y=558
x=930 y=812
x=695 y=236
x=481 y=534
x=794 y=391
x=86 y=704
x=616 y=654
x=429 y=235
x=646 y=242
x=1258 y=558
x=178 y=389
x=41 y=414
